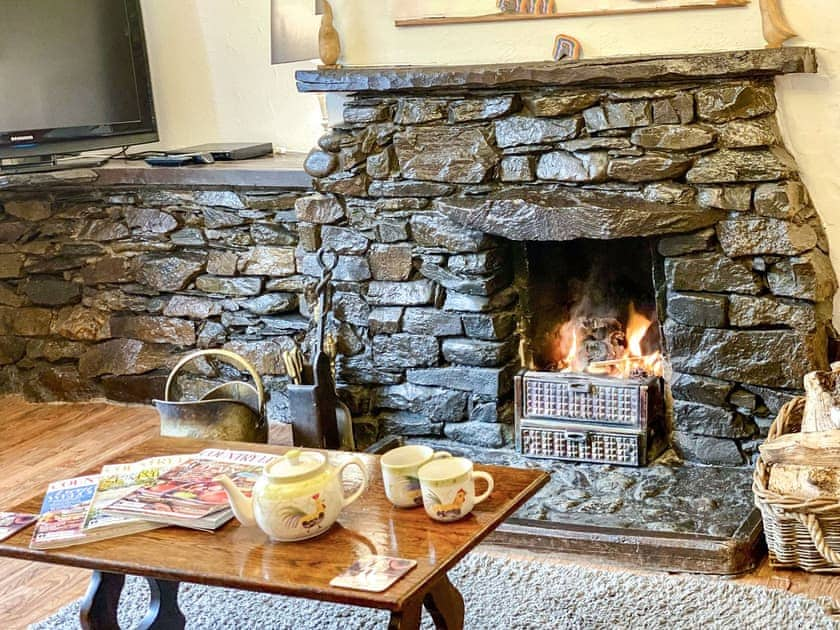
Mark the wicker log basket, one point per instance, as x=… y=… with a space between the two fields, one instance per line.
x=801 y=533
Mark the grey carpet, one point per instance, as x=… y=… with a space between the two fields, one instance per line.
x=507 y=594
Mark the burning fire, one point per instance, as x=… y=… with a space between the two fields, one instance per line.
x=601 y=346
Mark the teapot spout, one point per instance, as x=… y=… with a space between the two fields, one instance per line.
x=243 y=507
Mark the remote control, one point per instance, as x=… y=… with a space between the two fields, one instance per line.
x=169 y=160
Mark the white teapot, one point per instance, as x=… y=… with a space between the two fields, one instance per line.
x=298 y=496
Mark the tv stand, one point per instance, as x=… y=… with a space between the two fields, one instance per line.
x=45 y=163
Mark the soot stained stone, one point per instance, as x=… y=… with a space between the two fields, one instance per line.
x=170 y=272
x=438 y=404
x=562 y=166
x=721 y=104
x=705 y=420
x=433 y=229
x=524 y=130
x=479 y=263
x=271 y=303
x=351 y=308
x=775 y=358
x=397 y=352
x=470 y=284
x=265 y=355
x=432 y=321
x=408 y=423
x=700 y=389
x=711 y=272
x=359 y=114
x=672 y=137
x=731 y=166
x=698 y=309
x=808 y=277
x=773 y=399
x=560 y=104
x=447 y=154
x=478 y=304
x=476 y=433
x=647 y=168
x=529 y=214
x=747 y=237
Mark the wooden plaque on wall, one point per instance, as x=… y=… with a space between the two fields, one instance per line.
x=429 y=12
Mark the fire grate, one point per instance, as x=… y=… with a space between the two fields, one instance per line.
x=588 y=418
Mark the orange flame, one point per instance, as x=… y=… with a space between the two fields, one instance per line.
x=633 y=360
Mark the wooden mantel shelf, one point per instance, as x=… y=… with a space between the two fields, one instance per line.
x=604 y=71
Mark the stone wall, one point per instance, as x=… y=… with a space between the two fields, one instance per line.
x=423 y=195
x=102 y=290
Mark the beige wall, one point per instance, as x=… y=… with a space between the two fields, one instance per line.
x=210 y=61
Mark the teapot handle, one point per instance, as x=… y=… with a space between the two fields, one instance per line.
x=358 y=492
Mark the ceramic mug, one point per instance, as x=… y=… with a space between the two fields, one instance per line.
x=448 y=487
x=399 y=473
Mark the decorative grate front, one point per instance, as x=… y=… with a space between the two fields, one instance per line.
x=588 y=418
x=583 y=445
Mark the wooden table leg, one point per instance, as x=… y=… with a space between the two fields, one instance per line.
x=444 y=603
x=164 y=613
x=99 y=607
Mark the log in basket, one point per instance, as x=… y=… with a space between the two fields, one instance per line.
x=801 y=533
x=233 y=411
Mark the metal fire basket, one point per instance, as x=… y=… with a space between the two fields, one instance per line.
x=586 y=418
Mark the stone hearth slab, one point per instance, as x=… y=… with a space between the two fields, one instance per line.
x=669 y=515
x=564 y=214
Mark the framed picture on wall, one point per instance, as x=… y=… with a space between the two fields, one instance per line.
x=425 y=12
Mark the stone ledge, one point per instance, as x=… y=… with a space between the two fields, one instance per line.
x=276 y=171
x=604 y=71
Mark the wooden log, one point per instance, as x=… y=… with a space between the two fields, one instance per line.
x=818 y=448
x=822 y=401
x=808 y=482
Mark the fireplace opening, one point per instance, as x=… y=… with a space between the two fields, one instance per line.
x=591 y=388
x=590 y=308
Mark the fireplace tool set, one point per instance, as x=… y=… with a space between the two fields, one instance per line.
x=319 y=418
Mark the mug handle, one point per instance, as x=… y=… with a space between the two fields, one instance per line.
x=358 y=492
x=480 y=474
x=441 y=455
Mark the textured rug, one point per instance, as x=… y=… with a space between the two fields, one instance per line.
x=507 y=594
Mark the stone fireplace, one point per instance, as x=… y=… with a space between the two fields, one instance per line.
x=472 y=205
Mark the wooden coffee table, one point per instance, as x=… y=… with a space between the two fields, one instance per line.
x=244 y=558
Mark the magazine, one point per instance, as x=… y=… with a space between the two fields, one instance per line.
x=188 y=495
x=118 y=480
x=63 y=512
x=12 y=522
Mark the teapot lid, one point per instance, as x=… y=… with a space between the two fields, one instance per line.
x=296 y=464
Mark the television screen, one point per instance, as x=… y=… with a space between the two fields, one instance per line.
x=73 y=76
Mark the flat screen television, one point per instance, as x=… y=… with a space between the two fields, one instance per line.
x=74 y=77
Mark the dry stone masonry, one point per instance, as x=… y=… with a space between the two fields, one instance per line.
x=427 y=191
x=443 y=183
